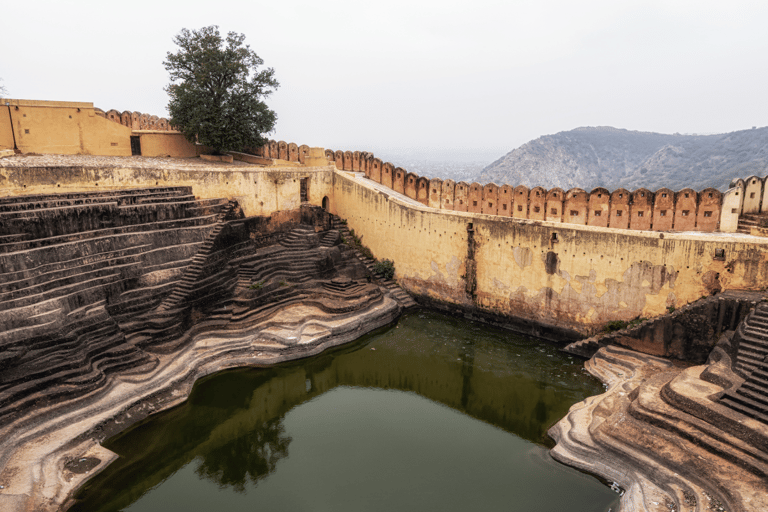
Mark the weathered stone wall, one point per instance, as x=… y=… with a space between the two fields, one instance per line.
x=258 y=190
x=60 y=127
x=556 y=274
x=688 y=333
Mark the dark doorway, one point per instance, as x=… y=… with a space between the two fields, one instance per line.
x=135 y=145
x=304 y=189
x=325 y=203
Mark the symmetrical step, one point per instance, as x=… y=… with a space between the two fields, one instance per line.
x=751 y=398
x=405 y=300
x=73 y=264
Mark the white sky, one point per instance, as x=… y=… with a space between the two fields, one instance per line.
x=481 y=77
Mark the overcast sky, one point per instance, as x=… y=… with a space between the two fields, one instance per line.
x=479 y=77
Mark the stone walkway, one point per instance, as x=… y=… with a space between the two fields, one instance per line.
x=359 y=176
x=139 y=162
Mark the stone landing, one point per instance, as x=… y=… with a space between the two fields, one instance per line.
x=661 y=435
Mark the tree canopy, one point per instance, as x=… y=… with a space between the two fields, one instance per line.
x=217 y=90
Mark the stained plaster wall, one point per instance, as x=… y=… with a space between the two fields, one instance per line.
x=63 y=127
x=578 y=280
x=258 y=190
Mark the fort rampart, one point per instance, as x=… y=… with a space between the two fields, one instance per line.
x=558 y=279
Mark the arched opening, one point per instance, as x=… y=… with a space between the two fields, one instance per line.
x=325 y=203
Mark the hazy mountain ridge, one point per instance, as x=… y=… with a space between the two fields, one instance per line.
x=609 y=157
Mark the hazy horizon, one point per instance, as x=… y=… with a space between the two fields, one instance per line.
x=459 y=81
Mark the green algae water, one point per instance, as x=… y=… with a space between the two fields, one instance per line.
x=432 y=413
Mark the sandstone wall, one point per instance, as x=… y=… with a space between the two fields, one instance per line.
x=258 y=190
x=67 y=128
x=561 y=275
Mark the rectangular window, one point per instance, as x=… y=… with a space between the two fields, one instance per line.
x=663 y=195
x=663 y=213
x=618 y=213
x=553 y=211
x=574 y=213
x=490 y=205
x=720 y=254
x=707 y=214
x=639 y=214
x=598 y=213
x=504 y=207
x=474 y=203
x=685 y=213
x=536 y=209
x=519 y=207
x=735 y=210
x=752 y=195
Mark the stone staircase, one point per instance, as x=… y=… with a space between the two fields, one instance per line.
x=191 y=277
x=749 y=220
x=751 y=397
x=400 y=295
x=72 y=267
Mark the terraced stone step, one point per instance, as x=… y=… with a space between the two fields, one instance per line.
x=745 y=406
x=98 y=235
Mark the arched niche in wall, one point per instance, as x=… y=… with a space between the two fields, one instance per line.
x=461 y=197
x=447 y=194
x=422 y=191
x=733 y=202
x=356 y=161
x=575 y=206
x=619 y=214
x=376 y=165
x=506 y=200
x=708 y=210
x=475 y=199
x=537 y=203
x=347 y=155
x=411 y=182
x=520 y=211
x=642 y=209
x=554 y=206
x=491 y=199
x=435 y=192
x=293 y=152
x=663 y=210
x=387 y=169
x=753 y=194
x=303 y=152
x=686 y=201
x=339 y=159
x=398 y=180
x=598 y=211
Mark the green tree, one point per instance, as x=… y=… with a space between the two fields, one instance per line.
x=217 y=90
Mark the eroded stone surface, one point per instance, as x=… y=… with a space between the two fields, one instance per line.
x=659 y=433
x=129 y=313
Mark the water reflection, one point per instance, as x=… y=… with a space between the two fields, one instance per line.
x=232 y=430
x=249 y=457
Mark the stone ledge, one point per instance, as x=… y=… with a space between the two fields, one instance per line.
x=218 y=158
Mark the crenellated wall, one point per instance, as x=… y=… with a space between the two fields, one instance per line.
x=552 y=277
x=136 y=120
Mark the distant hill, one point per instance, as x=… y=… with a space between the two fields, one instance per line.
x=611 y=157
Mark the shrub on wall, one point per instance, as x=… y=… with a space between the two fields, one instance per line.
x=385 y=268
